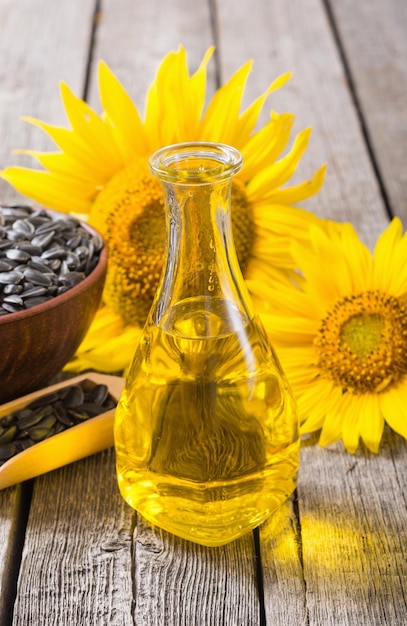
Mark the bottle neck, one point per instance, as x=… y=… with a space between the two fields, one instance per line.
x=201 y=263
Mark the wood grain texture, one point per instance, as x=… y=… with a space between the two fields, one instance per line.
x=133 y=37
x=296 y=37
x=343 y=561
x=374 y=39
x=353 y=518
x=281 y=558
x=86 y=559
x=76 y=566
x=13 y=513
x=42 y=42
x=182 y=583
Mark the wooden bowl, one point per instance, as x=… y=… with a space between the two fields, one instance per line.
x=36 y=343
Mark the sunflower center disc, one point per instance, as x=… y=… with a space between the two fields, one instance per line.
x=362 y=342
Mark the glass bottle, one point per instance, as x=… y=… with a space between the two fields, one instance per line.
x=206 y=431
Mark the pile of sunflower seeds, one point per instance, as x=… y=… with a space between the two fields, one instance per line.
x=50 y=414
x=41 y=257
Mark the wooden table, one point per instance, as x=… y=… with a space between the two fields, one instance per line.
x=71 y=552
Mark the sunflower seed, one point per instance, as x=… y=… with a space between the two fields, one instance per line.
x=70 y=279
x=13 y=299
x=28 y=247
x=51 y=414
x=56 y=252
x=47 y=422
x=100 y=394
x=7 y=451
x=62 y=415
x=45 y=400
x=35 y=290
x=10 y=288
x=38 y=251
x=43 y=240
x=24 y=227
x=12 y=277
x=15 y=235
x=9 y=434
x=74 y=397
x=30 y=302
x=15 y=254
x=38 y=433
x=37 y=278
x=5 y=266
x=34 y=418
x=11 y=308
x=74 y=242
x=37 y=263
x=16 y=211
x=47 y=227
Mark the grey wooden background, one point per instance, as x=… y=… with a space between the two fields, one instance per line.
x=71 y=552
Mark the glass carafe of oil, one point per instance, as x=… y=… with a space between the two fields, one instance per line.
x=206 y=431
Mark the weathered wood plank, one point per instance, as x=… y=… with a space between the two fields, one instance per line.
x=374 y=38
x=343 y=561
x=181 y=583
x=13 y=513
x=133 y=37
x=296 y=36
x=353 y=517
x=41 y=43
x=281 y=558
x=353 y=524
x=76 y=565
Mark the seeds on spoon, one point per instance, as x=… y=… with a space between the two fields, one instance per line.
x=50 y=414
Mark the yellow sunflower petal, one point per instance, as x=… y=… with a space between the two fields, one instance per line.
x=340 y=273
x=266 y=145
x=394 y=406
x=108 y=346
x=371 y=423
x=47 y=189
x=331 y=430
x=169 y=118
x=357 y=257
x=221 y=118
x=73 y=145
x=350 y=430
x=248 y=119
x=197 y=93
x=122 y=114
x=391 y=252
x=300 y=192
x=314 y=402
x=291 y=302
x=322 y=290
x=299 y=368
x=300 y=331
x=65 y=165
x=92 y=129
x=278 y=173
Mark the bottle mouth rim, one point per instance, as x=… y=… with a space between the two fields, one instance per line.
x=198 y=162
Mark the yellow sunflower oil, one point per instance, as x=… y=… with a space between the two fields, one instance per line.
x=206 y=431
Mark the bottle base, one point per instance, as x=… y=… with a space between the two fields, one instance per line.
x=211 y=515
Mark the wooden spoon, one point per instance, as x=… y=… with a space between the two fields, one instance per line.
x=74 y=443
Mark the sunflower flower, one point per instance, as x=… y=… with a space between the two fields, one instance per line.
x=100 y=171
x=342 y=335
